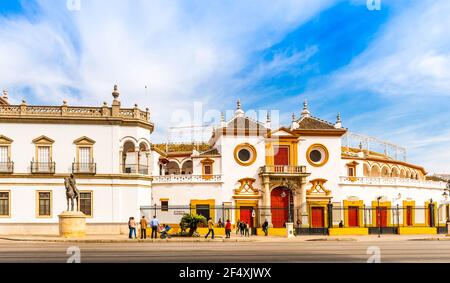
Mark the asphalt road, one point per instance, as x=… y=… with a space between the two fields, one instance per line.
x=220 y=252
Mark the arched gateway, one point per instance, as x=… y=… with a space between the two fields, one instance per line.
x=281 y=200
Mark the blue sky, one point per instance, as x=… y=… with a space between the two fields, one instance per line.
x=386 y=71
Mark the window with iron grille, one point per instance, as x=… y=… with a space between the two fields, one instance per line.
x=86 y=203
x=4 y=204
x=45 y=204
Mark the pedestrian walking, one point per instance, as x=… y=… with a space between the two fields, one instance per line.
x=154 y=223
x=238 y=227
x=242 y=228
x=210 y=229
x=144 y=226
x=265 y=227
x=228 y=229
x=246 y=229
x=132 y=228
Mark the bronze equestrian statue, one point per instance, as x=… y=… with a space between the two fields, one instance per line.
x=72 y=192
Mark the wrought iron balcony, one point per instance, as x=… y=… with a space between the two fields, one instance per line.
x=84 y=168
x=282 y=170
x=43 y=167
x=135 y=169
x=6 y=167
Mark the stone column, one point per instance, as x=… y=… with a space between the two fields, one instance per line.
x=304 y=204
x=266 y=213
x=137 y=159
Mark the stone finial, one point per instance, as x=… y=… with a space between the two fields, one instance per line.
x=239 y=112
x=116 y=93
x=135 y=105
x=293 y=117
x=5 y=94
x=305 y=112
x=64 y=102
x=338 y=124
x=24 y=102
x=105 y=103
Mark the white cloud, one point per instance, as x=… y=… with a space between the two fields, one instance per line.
x=184 y=51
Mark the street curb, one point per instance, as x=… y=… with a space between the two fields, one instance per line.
x=332 y=240
x=91 y=241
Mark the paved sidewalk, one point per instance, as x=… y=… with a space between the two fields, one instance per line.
x=305 y=239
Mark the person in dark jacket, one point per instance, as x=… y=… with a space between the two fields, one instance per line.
x=265 y=227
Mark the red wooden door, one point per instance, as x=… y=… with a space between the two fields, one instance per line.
x=317 y=217
x=382 y=214
x=409 y=221
x=281 y=155
x=279 y=207
x=353 y=216
x=246 y=215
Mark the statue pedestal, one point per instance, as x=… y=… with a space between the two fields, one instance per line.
x=72 y=224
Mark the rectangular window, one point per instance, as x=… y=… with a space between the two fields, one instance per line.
x=44 y=154
x=86 y=203
x=4 y=204
x=4 y=154
x=85 y=155
x=165 y=205
x=351 y=172
x=281 y=157
x=208 y=170
x=4 y=159
x=45 y=208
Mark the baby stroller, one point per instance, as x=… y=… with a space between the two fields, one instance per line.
x=165 y=232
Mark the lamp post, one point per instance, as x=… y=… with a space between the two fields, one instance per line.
x=379 y=217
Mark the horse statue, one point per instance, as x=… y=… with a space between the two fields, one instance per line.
x=72 y=192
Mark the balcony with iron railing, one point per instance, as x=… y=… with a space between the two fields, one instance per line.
x=135 y=169
x=187 y=179
x=6 y=167
x=43 y=167
x=282 y=170
x=392 y=182
x=84 y=168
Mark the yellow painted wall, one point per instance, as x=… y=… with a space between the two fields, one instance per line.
x=273 y=232
x=348 y=231
x=417 y=230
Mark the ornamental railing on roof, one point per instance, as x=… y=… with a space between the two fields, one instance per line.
x=396 y=182
x=370 y=145
x=187 y=179
x=64 y=110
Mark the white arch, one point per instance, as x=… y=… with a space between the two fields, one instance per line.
x=375 y=171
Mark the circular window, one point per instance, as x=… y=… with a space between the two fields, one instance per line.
x=317 y=155
x=245 y=154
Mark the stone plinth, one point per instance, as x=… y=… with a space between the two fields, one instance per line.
x=72 y=224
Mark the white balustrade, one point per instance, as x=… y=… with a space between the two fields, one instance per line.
x=397 y=182
x=187 y=179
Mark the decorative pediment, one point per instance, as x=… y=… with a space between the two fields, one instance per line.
x=246 y=188
x=207 y=161
x=352 y=164
x=84 y=141
x=5 y=140
x=43 y=140
x=318 y=188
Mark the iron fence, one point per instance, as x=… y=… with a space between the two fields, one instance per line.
x=312 y=221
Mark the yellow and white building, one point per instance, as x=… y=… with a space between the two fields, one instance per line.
x=309 y=172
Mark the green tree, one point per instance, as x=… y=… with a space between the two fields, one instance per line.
x=192 y=221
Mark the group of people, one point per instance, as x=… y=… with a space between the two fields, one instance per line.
x=242 y=228
x=143 y=223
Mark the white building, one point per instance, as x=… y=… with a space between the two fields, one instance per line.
x=247 y=171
